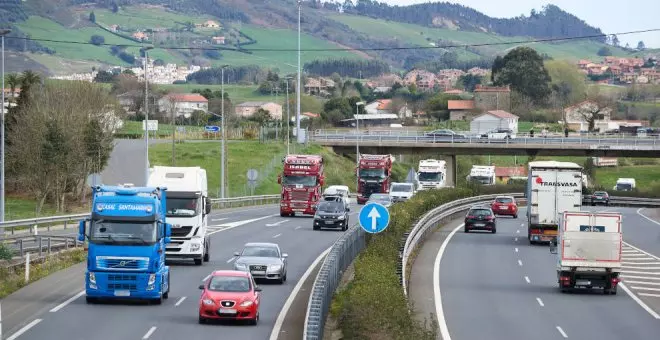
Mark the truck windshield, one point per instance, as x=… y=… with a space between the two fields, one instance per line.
x=372 y=173
x=623 y=187
x=430 y=176
x=182 y=207
x=307 y=181
x=402 y=188
x=482 y=179
x=120 y=232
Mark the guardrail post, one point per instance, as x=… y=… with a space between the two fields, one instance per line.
x=49 y=245
x=65 y=223
x=20 y=247
x=27 y=268
x=66 y=243
x=41 y=246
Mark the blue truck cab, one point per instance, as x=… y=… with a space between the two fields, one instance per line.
x=127 y=235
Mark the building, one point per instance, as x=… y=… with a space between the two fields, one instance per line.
x=210 y=24
x=504 y=173
x=487 y=98
x=371 y=120
x=248 y=109
x=140 y=36
x=319 y=86
x=218 y=40
x=495 y=119
x=461 y=109
x=183 y=104
x=576 y=116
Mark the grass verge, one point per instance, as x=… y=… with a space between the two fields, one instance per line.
x=12 y=280
x=373 y=305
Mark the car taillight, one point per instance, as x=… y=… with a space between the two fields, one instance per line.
x=471 y=216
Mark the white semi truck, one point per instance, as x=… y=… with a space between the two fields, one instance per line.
x=188 y=206
x=482 y=174
x=552 y=188
x=431 y=174
x=589 y=251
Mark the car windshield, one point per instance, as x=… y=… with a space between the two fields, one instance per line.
x=121 y=233
x=600 y=193
x=183 y=207
x=379 y=197
x=482 y=179
x=430 y=176
x=402 y=188
x=372 y=173
x=237 y=284
x=328 y=206
x=504 y=200
x=260 y=251
x=623 y=186
x=479 y=212
x=306 y=181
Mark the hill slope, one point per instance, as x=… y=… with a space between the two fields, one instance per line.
x=264 y=32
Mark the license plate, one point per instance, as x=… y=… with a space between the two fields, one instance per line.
x=227 y=311
x=329 y=222
x=550 y=232
x=479 y=224
x=258 y=272
x=582 y=282
x=122 y=293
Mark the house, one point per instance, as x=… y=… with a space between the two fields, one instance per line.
x=575 y=116
x=495 y=119
x=140 y=36
x=461 y=109
x=210 y=24
x=182 y=104
x=114 y=28
x=375 y=119
x=10 y=97
x=504 y=173
x=218 y=40
x=488 y=98
x=248 y=109
x=386 y=80
x=454 y=92
x=319 y=86
x=424 y=80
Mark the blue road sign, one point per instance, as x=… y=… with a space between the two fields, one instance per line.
x=374 y=218
x=212 y=128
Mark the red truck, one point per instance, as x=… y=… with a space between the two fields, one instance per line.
x=302 y=181
x=374 y=175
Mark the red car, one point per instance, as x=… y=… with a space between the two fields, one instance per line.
x=229 y=295
x=505 y=205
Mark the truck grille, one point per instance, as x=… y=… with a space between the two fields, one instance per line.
x=122 y=286
x=122 y=282
x=122 y=263
x=181 y=232
x=299 y=196
x=121 y=277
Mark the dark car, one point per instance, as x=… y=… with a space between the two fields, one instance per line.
x=480 y=218
x=331 y=214
x=446 y=135
x=600 y=197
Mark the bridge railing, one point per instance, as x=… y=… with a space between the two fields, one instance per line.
x=371 y=131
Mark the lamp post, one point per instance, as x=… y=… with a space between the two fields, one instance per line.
x=2 y=135
x=222 y=128
x=146 y=114
x=298 y=84
x=288 y=119
x=357 y=142
x=222 y=157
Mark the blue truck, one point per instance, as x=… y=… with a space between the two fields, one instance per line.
x=127 y=235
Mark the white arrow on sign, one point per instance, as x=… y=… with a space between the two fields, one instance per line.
x=374 y=215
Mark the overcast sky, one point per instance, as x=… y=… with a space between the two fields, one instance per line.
x=611 y=16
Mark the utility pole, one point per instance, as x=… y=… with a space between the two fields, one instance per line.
x=223 y=191
x=146 y=115
x=299 y=83
x=288 y=119
x=2 y=135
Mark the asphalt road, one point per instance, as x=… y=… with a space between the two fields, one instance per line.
x=177 y=317
x=497 y=286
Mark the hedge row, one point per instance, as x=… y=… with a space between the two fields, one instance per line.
x=373 y=305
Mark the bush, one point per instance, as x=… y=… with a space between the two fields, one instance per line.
x=6 y=253
x=97 y=40
x=375 y=306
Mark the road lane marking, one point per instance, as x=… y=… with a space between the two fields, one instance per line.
x=516 y=239
x=540 y=302
x=68 y=301
x=649 y=294
x=639 y=277
x=527 y=279
x=233 y=225
x=629 y=251
x=641 y=251
x=289 y=301
x=648 y=268
x=646 y=217
x=24 y=329
x=149 y=332
x=518 y=231
x=437 y=296
x=231 y=259
x=276 y=223
x=180 y=301
x=645 y=288
x=643 y=283
x=522 y=224
x=298 y=227
x=638 y=272
x=278 y=235
x=516 y=249
x=520 y=263
x=639 y=301
x=641 y=262
x=633 y=256
x=218 y=219
x=561 y=331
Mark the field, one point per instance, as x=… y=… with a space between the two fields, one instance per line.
x=237 y=93
x=417 y=35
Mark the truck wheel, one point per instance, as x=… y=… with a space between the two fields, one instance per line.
x=283 y=214
x=158 y=301
x=198 y=262
x=494 y=230
x=207 y=250
x=90 y=299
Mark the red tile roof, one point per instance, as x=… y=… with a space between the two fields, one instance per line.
x=188 y=97
x=502 y=114
x=513 y=171
x=460 y=104
x=310 y=114
x=384 y=104
x=481 y=88
x=454 y=91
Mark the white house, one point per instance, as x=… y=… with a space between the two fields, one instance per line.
x=184 y=104
x=576 y=116
x=496 y=119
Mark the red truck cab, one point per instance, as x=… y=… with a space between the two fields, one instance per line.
x=374 y=176
x=302 y=180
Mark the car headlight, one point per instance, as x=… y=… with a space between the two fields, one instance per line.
x=341 y=217
x=208 y=302
x=274 y=267
x=92 y=277
x=240 y=266
x=194 y=246
x=247 y=303
x=152 y=279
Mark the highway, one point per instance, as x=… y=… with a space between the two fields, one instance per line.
x=55 y=308
x=497 y=286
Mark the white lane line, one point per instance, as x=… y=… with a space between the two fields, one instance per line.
x=149 y=332
x=233 y=225
x=639 y=262
x=639 y=277
x=645 y=288
x=276 y=223
x=516 y=239
x=518 y=231
x=68 y=301
x=289 y=301
x=646 y=268
x=278 y=235
x=437 y=296
x=516 y=249
x=635 y=256
x=540 y=302
x=520 y=263
x=527 y=279
x=629 y=251
x=522 y=224
x=641 y=251
x=639 y=302
x=643 y=283
x=231 y=259
x=646 y=217
x=561 y=331
x=179 y=302
x=298 y=227
x=24 y=329
x=218 y=219
x=624 y=270
x=649 y=294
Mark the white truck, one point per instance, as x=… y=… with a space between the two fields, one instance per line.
x=188 y=206
x=431 y=174
x=625 y=184
x=482 y=174
x=552 y=188
x=589 y=251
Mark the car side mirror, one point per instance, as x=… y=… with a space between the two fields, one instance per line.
x=207 y=208
x=285 y=255
x=348 y=209
x=201 y=287
x=81 y=230
x=236 y=254
x=257 y=289
x=553 y=246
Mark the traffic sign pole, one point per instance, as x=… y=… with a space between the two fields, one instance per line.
x=374 y=218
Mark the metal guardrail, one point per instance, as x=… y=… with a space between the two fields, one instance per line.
x=43 y=245
x=623 y=201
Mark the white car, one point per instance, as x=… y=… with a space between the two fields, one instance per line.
x=501 y=133
x=402 y=191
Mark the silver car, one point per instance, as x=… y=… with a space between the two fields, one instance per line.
x=263 y=260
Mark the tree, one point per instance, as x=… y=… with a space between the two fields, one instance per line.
x=97 y=40
x=604 y=51
x=470 y=81
x=615 y=40
x=641 y=46
x=115 y=8
x=596 y=108
x=92 y=17
x=437 y=106
x=104 y=77
x=262 y=116
x=523 y=69
x=568 y=85
x=13 y=80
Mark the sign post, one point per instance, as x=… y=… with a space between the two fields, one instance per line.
x=252 y=176
x=212 y=128
x=374 y=218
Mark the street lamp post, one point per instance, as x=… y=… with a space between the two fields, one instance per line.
x=299 y=83
x=288 y=119
x=222 y=157
x=357 y=143
x=222 y=128
x=2 y=135
x=146 y=114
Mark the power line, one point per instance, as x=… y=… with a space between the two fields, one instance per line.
x=519 y=42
